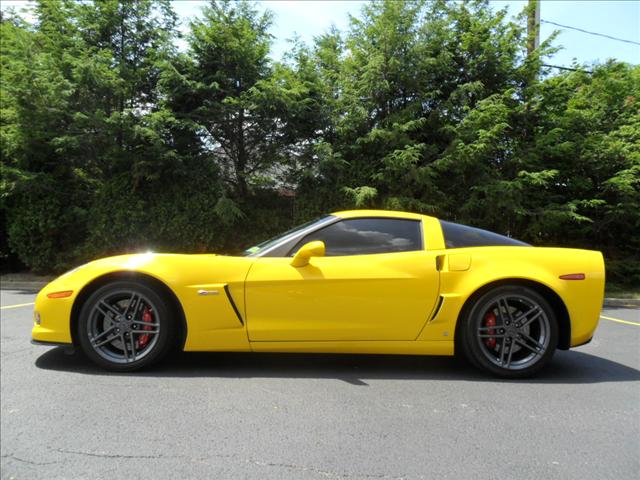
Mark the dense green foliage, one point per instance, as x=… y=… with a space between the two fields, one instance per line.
x=114 y=140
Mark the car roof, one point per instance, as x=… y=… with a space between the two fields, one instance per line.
x=378 y=213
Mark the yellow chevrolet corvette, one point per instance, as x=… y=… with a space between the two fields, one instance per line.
x=362 y=281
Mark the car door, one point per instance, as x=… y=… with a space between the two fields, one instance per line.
x=375 y=282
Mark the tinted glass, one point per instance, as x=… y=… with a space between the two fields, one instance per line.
x=261 y=247
x=459 y=236
x=361 y=236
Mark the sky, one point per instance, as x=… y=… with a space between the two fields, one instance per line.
x=307 y=19
x=618 y=18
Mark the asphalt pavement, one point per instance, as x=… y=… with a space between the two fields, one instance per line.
x=274 y=416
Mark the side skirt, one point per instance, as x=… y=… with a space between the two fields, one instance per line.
x=440 y=347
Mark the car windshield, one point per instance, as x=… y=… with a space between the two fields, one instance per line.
x=261 y=247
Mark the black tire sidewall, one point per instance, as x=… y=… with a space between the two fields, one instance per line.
x=472 y=349
x=165 y=315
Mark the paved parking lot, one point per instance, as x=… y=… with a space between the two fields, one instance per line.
x=318 y=416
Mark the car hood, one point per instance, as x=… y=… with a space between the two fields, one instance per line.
x=171 y=269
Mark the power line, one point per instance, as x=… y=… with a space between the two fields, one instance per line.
x=591 y=33
x=567 y=68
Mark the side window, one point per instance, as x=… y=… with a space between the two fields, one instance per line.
x=361 y=236
x=460 y=236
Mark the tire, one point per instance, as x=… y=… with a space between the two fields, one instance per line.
x=510 y=331
x=126 y=325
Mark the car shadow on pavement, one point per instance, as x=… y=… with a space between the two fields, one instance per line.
x=570 y=367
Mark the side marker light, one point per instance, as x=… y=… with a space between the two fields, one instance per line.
x=66 y=293
x=573 y=276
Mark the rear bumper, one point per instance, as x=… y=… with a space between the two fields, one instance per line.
x=584 y=298
x=583 y=343
x=50 y=344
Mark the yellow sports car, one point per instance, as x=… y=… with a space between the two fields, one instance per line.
x=362 y=281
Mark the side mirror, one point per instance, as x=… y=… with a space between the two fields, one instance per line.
x=308 y=250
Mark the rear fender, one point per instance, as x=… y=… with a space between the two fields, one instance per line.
x=489 y=265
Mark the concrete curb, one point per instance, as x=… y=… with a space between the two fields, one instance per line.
x=18 y=285
x=622 y=302
x=37 y=286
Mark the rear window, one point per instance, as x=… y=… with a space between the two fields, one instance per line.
x=459 y=236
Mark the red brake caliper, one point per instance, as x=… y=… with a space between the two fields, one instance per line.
x=490 y=321
x=147 y=317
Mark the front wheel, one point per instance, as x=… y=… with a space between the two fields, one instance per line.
x=125 y=326
x=510 y=331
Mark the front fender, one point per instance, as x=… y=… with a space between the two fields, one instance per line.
x=213 y=321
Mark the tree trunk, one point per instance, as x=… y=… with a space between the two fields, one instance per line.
x=241 y=158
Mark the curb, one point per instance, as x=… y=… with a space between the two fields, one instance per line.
x=17 y=285
x=622 y=302
x=37 y=286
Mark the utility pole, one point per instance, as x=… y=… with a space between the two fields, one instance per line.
x=533 y=26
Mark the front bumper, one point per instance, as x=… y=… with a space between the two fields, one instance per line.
x=54 y=315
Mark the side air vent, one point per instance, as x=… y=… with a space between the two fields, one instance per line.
x=436 y=311
x=233 y=304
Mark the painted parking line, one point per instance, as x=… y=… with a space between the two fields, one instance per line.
x=17 y=306
x=626 y=322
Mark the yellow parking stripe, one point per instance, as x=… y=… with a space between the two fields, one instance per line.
x=627 y=322
x=17 y=306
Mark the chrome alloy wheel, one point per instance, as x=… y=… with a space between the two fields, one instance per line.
x=123 y=326
x=513 y=332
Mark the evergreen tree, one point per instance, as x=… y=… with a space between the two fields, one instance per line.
x=112 y=140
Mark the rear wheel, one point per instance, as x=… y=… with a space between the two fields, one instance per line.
x=510 y=331
x=126 y=325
